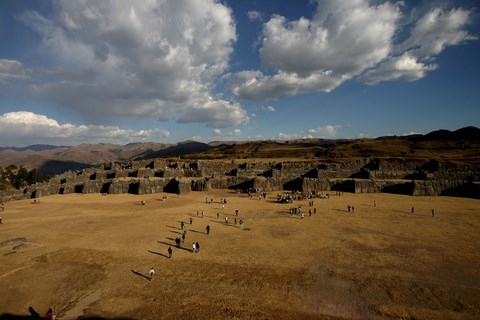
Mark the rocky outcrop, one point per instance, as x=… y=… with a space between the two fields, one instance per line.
x=418 y=177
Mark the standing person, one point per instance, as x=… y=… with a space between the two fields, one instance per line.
x=194 y=247
x=208 y=229
x=183 y=237
x=197 y=246
x=433 y=214
x=236 y=213
x=182 y=224
x=170 y=251
x=203 y=213
x=374 y=203
x=413 y=210
x=151 y=273
x=191 y=220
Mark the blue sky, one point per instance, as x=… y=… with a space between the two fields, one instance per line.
x=122 y=71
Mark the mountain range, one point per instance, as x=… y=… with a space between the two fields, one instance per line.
x=459 y=145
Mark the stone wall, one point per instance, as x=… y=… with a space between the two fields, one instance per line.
x=416 y=177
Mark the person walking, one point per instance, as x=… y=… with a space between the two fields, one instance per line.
x=152 y=274
x=208 y=229
x=170 y=252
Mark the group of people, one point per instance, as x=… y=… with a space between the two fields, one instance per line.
x=178 y=241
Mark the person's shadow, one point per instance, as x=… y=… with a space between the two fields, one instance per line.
x=160 y=254
x=140 y=275
x=34 y=313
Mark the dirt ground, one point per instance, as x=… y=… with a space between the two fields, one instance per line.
x=88 y=256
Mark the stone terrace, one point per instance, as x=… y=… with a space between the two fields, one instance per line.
x=430 y=178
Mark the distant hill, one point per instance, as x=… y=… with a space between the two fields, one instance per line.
x=459 y=145
x=53 y=160
x=467 y=134
x=180 y=149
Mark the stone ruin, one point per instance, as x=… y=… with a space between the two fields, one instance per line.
x=412 y=177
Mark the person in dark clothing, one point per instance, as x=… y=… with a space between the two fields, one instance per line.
x=208 y=229
x=169 y=251
x=197 y=246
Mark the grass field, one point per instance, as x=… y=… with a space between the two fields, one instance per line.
x=89 y=255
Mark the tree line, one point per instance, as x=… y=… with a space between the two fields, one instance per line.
x=19 y=177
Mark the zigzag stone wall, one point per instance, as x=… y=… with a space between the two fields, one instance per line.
x=430 y=178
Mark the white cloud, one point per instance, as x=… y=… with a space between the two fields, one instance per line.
x=431 y=34
x=404 y=66
x=11 y=69
x=327 y=131
x=348 y=39
x=437 y=30
x=254 y=15
x=26 y=128
x=268 y=108
x=288 y=136
x=217 y=132
x=156 y=58
x=236 y=132
x=342 y=39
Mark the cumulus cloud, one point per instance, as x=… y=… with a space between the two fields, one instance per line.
x=437 y=30
x=26 y=128
x=123 y=58
x=11 y=69
x=405 y=66
x=346 y=40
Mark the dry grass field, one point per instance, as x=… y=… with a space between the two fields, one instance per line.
x=88 y=256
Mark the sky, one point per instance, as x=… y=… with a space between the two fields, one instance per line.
x=125 y=71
